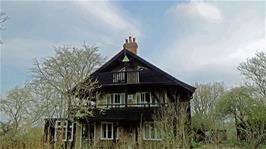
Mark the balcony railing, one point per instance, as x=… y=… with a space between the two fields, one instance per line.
x=130 y=77
x=112 y=106
x=138 y=105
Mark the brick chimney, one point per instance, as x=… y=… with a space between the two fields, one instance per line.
x=131 y=45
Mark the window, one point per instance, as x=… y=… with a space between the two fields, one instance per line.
x=119 y=77
x=64 y=130
x=132 y=77
x=151 y=131
x=116 y=100
x=145 y=99
x=88 y=132
x=107 y=131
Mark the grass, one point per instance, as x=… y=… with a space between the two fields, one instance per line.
x=38 y=144
x=33 y=140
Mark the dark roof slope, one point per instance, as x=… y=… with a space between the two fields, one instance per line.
x=151 y=66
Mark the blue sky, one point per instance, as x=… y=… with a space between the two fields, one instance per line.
x=193 y=41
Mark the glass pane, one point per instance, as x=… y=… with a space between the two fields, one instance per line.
x=152 y=131
x=112 y=99
x=122 y=98
x=117 y=99
x=147 y=97
x=58 y=124
x=108 y=99
x=85 y=129
x=104 y=130
x=109 y=130
x=116 y=131
x=91 y=131
x=147 y=131
x=142 y=98
x=158 y=134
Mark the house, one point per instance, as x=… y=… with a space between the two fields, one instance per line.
x=131 y=93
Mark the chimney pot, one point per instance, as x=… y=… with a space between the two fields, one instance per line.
x=131 y=46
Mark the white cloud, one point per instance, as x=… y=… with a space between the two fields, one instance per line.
x=210 y=52
x=201 y=10
x=101 y=24
x=106 y=14
x=108 y=25
x=242 y=52
x=193 y=61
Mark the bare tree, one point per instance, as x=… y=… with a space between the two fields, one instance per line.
x=206 y=96
x=55 y=77
x=17 y=107
x=3 y=18
x=254 y=69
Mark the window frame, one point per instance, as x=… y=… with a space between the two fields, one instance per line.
x=157 y=135
x=65 y=128
x=143 y=102
x=88 y=138
x=106 y=129
x=112 y=100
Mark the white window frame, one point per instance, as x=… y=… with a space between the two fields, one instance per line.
x=112 y=100
x=156 y=132
x=119 y=98
x=64 y=127
x=143 y=103
x=106 y=133
x=72 y=131
x=57 y=126
x=94 y=131
x=65 y=130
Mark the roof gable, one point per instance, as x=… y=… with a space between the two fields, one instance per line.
x=118 y=58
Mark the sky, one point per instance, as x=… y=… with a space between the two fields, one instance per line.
x=196 y=42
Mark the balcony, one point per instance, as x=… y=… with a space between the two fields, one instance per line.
x=133 y=106
x=124 y=112
x=131 y=77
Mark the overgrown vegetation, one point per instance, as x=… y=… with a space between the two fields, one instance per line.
x=235 y=115
x=221 y=117
x=49 y=94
